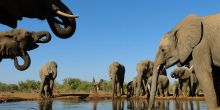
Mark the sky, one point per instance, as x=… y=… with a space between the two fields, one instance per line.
x=126 y=31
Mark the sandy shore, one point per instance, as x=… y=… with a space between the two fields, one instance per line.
x=21 y=96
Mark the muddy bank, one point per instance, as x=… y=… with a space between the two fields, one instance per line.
x=20 y=96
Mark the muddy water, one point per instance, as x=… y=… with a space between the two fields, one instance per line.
x=119 y=104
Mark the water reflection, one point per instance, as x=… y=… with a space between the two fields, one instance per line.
x=117 y=104
x=186 y=105
x=133 y=104
x=45 y=104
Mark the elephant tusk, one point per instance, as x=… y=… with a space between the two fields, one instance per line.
x=66 y=15
x=191 y=68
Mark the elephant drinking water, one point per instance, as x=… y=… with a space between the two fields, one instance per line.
x=195 y=41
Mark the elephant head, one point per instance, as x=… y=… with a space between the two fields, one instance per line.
x=67 y=27
x=144 y=69
x=60 y=18
x=176 y=47
x=52 y=69
x=17 y=42
x=180 y=73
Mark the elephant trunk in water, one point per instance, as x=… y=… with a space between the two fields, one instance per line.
x=114 y=85
x=68 y=21
x=139 y=84
x=158 y=66
x=26 y=64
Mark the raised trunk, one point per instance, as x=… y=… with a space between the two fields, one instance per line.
x=67 y=27
x=26 y=64
x=42 y=37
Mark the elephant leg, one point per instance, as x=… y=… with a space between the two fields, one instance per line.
x=51 y=87
x=46 y=90
x=184 y=91
x=203 y=71
x=42 y=93
x=166 y=92
x=121 y=88
x=118 y=89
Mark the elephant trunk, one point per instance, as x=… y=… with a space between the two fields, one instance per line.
x=113 y=85
x=67 y=27
x=55 y=74
x=154 y=85
x=26 y=64
x=139 y=81
x=42 y=37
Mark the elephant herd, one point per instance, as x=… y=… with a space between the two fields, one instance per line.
x=193 y=43
x=187 y=84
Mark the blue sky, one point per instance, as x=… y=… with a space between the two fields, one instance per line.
x=127 y=31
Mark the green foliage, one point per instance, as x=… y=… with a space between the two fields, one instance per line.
x=3 y=86
x=71 y=83
x=29 y=85
x=68 y=85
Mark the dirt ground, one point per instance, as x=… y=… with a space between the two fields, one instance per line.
x=21 y=96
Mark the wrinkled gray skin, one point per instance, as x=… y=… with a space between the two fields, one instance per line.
x=117 y=73
x=195 y=40
x=144 y=69
x=16 y=42
x=14 y=10
x=48 y=74
x=175 y=89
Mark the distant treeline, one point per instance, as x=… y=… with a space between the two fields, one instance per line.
x=68 y=85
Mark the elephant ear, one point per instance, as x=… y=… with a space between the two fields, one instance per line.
x=188 y=34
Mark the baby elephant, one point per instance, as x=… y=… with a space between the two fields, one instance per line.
x=186 y=80
x=162 y=85
x=47 y=73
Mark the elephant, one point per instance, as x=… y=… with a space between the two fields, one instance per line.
x=130 y=89
x=47 y=73
x=117 y=73
x=175 y=89
x=14 y=10
x=183 y=75
x=195 y=42
x=16 y=42
x=187 y=79
x=162 y=85
x=144 y=69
